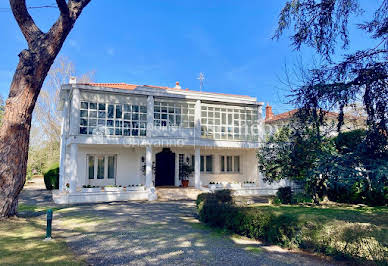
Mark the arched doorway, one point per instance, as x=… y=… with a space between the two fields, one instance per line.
x=165 y=168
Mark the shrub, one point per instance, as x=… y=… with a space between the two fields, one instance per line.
x=285 y=195
x=301 y=198
x=51 y=177
x=358 y=241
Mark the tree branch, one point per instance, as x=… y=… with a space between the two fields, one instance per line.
x=63 y=8
x=26 y=24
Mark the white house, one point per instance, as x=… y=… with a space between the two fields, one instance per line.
x=121 y=141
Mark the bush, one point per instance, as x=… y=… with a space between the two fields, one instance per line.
x=51 y=177
x=285 y=195
x=358 y=241
x=301 y=198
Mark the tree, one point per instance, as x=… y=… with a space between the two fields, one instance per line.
x=46 y=125
x=34 y=64
x=319 y=24
x=1 y=108
x=322 y=24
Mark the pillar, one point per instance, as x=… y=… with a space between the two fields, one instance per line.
x=62 y=152
x=74 y=112
x=149 y=166
x=73 y=165
x=197 y=168
x=197 y=119
x=150 y=115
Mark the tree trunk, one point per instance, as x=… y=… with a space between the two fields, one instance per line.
x=15 y=131
x=30 y=73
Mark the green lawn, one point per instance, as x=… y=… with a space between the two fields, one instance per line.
x=21 y=243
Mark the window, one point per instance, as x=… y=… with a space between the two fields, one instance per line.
x=236 y=167
x=101 y=166
x=174 y=114
x=229 y=122
x=232 y=164
x=222 y=163
x=111 y=166
x=229 y=163
x=207 y=163
x=91 y=167
x=113 y=119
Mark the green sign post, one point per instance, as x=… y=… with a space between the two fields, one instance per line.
x=49 y=223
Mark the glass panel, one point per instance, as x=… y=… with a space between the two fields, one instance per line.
x=101 y=106
x=91 y=167
x=202 y=162
x=83 y=113
x=93 y=106
x=119 y=111
x=209 y=163
x=111 y=167
x=93 y=114
x=83 y=122
x=229 y=163
x=110 y=111
x=83 y=130
x=237 y=163
x=84 y=105
x=222 y=163
x=100 y=167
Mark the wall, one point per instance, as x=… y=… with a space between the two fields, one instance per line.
x=128 y=163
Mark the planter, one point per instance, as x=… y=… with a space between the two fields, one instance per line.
x=91 y=189
x=139 y=188
x=185 y=183
x=212 y=187
x=234 y=186
x=113 y=189
x=249 y=185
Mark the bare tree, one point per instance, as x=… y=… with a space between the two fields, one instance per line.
x=46 y=124
x=34 y=64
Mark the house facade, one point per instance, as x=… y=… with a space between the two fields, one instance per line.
x=121 y=141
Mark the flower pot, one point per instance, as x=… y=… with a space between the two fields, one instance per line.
x=185 y=183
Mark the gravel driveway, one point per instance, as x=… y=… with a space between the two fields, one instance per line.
x=145 y=233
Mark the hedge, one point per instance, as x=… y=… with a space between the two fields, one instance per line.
x=358 y=241
x=51 y=177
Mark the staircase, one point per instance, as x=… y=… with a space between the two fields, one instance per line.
x=177 y=193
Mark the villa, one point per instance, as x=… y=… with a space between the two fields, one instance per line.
x=122 y=141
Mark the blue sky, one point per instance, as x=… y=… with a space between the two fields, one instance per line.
x=160 y=42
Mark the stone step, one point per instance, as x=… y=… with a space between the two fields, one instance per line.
x=177 y=193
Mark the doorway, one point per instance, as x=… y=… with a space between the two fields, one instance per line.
x=165 y=168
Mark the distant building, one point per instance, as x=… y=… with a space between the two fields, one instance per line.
x=274 y=122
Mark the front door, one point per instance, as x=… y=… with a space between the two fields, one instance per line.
x=165 y=168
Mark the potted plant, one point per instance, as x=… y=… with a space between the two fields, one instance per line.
x=185 y=172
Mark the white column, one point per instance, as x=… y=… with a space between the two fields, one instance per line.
x=197 y=119
x=177 y=183
x=150 y=115
x=74 y=112
x=149 y=166
x=73 y=165
x=260 y=123
x=197 y=167
x=62 y=152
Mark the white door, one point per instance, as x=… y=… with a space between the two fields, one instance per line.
x=101 y=170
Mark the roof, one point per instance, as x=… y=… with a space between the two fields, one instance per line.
x=290 y=114
x=126 y=86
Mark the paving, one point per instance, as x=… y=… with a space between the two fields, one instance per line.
x=154 y=233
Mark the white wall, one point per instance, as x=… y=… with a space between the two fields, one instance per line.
x=128 y=163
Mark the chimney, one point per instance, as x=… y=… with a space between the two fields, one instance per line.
x=268 y=112
x=73 y=80
x=177 y=86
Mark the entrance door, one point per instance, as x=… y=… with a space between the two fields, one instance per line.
x=165 y=168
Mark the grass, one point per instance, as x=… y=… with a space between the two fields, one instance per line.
x=21 y=243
